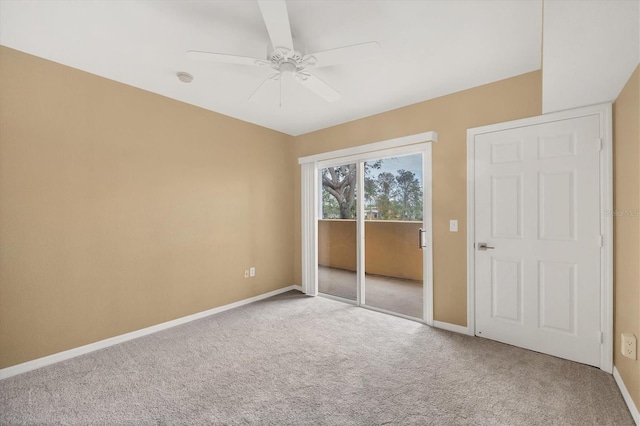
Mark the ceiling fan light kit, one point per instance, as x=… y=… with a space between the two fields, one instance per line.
x=285 y=54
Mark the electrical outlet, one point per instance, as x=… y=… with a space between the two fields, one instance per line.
x=252 y=271
x=246 y=273
x=629 y=345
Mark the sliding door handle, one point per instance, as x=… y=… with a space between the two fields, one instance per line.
x=422 y=238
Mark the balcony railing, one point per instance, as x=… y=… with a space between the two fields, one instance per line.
x=391 y=247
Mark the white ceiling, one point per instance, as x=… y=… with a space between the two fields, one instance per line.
x=430 y=49
x=590 y=50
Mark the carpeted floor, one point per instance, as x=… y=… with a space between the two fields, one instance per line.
x=296 y=360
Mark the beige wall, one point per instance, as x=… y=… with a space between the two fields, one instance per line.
x=121 y=209
x=391 y=247
x=450 y=116
x=337 y=244
x=626 y=169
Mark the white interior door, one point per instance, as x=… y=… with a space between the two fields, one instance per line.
x=537 y=208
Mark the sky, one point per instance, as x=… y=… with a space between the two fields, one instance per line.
x=392 y=165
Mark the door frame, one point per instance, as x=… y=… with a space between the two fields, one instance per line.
x=603 y=111
x=407 y=145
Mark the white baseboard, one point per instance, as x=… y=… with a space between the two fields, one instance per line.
x=627 y=398
x=72 y=353
x=452 y=327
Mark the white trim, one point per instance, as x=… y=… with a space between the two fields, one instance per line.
x=373 y=155
x=606 y=222
x=436 y=324
x=545 y=118
x=392 y=313
x=82 y=350
x=452 y=327
x=471 y=214
x=427 y=218
x=606 y=227
x=338 y=299
x=308 y=183
x=626 y=396
x=361 y=283
x=375 y=146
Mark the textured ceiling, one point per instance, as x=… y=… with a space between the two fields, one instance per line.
x=429 y=49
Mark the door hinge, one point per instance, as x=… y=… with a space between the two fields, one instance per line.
x=600 y=144
x=601 y=336
x=601 y=240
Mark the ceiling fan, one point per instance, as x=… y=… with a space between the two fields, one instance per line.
x=286 y=55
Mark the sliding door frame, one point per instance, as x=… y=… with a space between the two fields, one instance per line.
x=408 y=145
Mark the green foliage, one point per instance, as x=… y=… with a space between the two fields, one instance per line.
x=408 y=195
x=330 y=207
x=387 y=196
x=339 y=184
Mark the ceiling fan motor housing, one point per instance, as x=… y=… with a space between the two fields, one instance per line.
x=285 y=60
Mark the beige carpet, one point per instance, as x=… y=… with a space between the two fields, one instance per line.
x=392 y=294
x=297 y=360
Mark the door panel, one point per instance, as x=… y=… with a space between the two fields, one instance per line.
x=506 y=289
x=557 y=205
x=506 y=206
x=393 y=196
x=337 y=233
x=557 y=292
x=537 y=192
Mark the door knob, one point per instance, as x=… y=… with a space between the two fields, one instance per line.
x=484 y=246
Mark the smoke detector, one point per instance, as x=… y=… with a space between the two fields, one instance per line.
x=184 y=77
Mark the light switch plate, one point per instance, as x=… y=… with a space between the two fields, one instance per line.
x=453 y=225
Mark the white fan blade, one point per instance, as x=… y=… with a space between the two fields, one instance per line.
x=228 y=59
x=276 y=18
x=342 y=55
x=318 y=87
x=271 y=77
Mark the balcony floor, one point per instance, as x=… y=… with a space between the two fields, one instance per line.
x=392 y=294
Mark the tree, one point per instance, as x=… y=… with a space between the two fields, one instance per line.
x=386 y=183
x=330 y=208
x=340 y=182
x=408 y=193
x=370 y=192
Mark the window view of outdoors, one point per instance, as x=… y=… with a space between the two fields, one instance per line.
x=339 y=192
x=392 y=190
x=337 y=234
x=392 y=210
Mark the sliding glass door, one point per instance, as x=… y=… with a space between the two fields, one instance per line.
x=393 y=235
x=337 y=231
x=374 y=230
